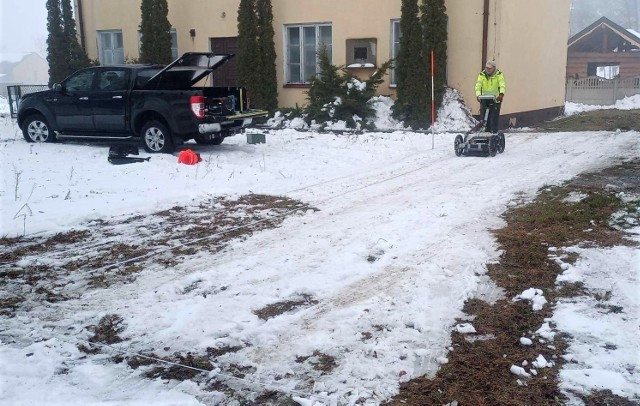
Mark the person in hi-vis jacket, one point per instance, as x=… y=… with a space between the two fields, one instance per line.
x=491 y=83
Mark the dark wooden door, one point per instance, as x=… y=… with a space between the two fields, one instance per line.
x=227 y=74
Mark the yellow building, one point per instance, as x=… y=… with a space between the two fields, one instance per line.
x=527 y=39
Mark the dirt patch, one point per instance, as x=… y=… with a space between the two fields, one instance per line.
x=105 y=332
x=107 y=252
x=13 y=249
x=196 y=364
x=602 y=398
x=276 y=309
x=478 y=370
x=273 y=398
x=8 y=306
x=598 y=120
x=220 y=351
x=320 y=361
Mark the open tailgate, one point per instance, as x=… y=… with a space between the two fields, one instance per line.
x=187 y=70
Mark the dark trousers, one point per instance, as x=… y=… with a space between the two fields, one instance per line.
x=494 y=116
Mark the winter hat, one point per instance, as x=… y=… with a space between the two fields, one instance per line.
x=490 y=64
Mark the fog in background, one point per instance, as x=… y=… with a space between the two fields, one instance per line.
x=24 y=27
x=623 y=12
x=24 y=22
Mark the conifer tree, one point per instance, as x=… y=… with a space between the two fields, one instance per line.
x=155 y=32
x=266 y=87
x=414 y=88
x=55 y=55
x=247 y=44
x=434 y=23
x=64 y=53
x=77 y=57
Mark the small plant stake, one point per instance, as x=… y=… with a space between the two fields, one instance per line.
x=17 y=173
x=24 y=211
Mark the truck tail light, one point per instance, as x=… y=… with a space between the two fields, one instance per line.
x=197 y=106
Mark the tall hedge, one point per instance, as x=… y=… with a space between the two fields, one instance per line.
x=412 y=104
x=64 y=53
x=266 y=89
x=434 y=22
x=257 y=53
x=155 y=31
x=247 y=61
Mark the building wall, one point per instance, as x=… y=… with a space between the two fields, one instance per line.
x=529 y=46
x=356 y=19
x=527 y=39
x=465 y=47
x=209 y=19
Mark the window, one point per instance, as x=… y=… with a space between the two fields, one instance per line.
x=395 y=47
x=110 y=48
x=174 y=43
x=605 y=70
x=80 y=82
x=361 y=52
x=112 y=80
x=303 y=42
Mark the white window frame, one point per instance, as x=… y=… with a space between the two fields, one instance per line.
x=112 y=55
x=394 y=48
x=174 y=44
x=304 y=76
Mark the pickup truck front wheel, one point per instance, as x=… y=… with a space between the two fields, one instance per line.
x=156 y=137
x=36 y=129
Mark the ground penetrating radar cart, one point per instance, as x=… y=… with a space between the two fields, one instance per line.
x=482 y=141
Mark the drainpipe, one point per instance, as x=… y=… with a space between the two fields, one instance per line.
x=81 y=24
x=485 y=32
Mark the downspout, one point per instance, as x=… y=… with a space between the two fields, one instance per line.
x=81 y=25
x=485 y=32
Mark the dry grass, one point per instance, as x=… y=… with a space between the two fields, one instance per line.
x=478 y=372
x=599 y=120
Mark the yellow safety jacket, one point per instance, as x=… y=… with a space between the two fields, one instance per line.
x=490 y=85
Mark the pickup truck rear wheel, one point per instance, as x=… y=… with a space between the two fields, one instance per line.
x=156 y=137
x=36 y=129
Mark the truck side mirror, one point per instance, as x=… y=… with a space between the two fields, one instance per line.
x=57 y=87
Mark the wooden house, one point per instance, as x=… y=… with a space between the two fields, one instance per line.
x=604 y=49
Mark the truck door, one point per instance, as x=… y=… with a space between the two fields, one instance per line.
x=110 y=100
x=72 y=105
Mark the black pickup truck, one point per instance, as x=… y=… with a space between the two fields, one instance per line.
x=162 y=107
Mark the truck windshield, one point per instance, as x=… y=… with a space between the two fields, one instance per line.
x=144 y=75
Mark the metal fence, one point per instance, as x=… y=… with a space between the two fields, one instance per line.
x=596 y=90
x=16 y=92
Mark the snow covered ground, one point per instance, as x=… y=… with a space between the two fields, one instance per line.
x=628 y=103
x=400 y=241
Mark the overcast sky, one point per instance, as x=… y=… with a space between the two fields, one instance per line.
x=24 y=26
